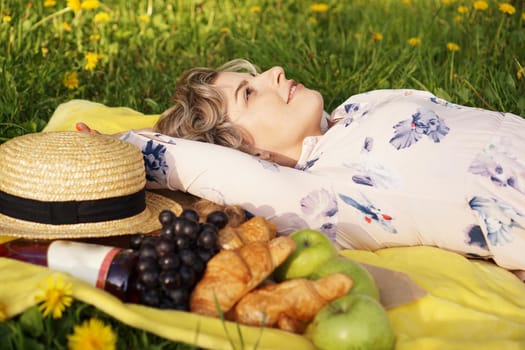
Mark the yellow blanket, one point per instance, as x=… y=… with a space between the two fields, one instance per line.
x=470 y=305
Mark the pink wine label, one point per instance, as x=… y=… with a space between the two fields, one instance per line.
x=88 y=262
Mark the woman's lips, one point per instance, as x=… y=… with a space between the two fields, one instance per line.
x=293 y=88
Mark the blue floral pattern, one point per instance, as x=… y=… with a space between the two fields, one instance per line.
x=498 y=164
x=443 y=103
x=423 y=123
x=321 y=205
x=155 y=162
x=498 y=217
x=371 y=213
x=475 y=237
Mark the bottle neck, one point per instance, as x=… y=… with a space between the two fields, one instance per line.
x=30 y=251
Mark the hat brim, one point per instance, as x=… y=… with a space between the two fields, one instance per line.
x=144 y=222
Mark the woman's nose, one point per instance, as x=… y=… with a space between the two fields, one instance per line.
x=274 y=75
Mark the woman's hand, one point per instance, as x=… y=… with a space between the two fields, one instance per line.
x=83 y=127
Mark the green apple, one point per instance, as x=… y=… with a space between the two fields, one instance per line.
x=312 y=249
x=352 y=322
x=364 y=283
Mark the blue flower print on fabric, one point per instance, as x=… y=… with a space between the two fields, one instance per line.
x=154 y=155
x=499 y=218
x=351 y=107
x=126 y=136
x=498 y=164
x=367 y=145
x=321 y=206
x=372 y=174
x=268 y=165
x=475 y=237
x=444 y=103
x=349 y=113
x=165 y=138
x=310 y=163
x=371 y=213
x=423 y=123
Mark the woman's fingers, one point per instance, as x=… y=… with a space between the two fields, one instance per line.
x=83 y=127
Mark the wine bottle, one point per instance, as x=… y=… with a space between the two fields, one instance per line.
x=106 y=267
x=159 y=269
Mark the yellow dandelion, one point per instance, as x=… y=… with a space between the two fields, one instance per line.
x=225 y=30
x=507 y=8
x=101 y=17
x=480 y=5
x=255 y=9
x=49 y=3
x=523 y=16
x=3 y=313
x=357 y=36
x=377 y=36
x=44 y=51
x=446 y=2
x=452 y=46
x=6 y=19
x=70 y=80
x=90 y=4
x=406 y=2
x=55 y=296
x=94 y=37
x=520 y=73
x=92 y=334
x=463 y=9
x=458 y=19
x=91 y=60
x=74 y=5
x=319 y=7
x=312 y=20
x=144 y=18
x=67 y=27
x=414 y=41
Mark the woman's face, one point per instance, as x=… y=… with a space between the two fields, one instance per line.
x=276 y=112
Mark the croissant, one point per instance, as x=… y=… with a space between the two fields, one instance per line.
x=291 y=304
x=230 y=274
x=252 y=230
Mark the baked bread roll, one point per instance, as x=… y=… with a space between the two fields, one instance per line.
x=289 y=305
x=252 y=230
x=231 y=274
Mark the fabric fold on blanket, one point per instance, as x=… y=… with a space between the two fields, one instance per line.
x=471 y=304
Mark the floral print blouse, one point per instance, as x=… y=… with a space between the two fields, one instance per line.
x=398 y=168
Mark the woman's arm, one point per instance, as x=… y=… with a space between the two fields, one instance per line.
x=291 y=198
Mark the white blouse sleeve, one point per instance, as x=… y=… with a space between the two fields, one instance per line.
x=291 y=198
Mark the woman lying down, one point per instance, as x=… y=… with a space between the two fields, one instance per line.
x=387 y=168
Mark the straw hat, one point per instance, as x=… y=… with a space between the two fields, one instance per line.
x=70 y=184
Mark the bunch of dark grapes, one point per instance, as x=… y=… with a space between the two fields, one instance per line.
x=170 y=265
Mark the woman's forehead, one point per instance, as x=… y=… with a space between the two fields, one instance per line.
x=230 y=79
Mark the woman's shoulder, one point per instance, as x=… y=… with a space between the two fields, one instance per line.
x=372 y=99
x=387 y=94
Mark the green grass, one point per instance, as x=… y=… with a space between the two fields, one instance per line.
x=33 y=332
x=331 y=51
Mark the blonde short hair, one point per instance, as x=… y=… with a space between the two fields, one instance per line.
x=199 y=109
